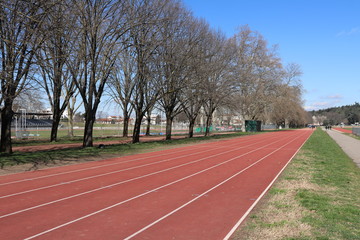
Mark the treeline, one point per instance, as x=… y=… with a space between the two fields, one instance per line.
x=146 y=54
x=349 y=114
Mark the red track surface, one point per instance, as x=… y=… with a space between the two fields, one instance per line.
x=343 y=130
x=198 y=192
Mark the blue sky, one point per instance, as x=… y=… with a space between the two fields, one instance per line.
x=323 y=36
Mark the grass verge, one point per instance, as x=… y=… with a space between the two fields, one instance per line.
x=317 y=197
x=38 y=159
x=62 y=140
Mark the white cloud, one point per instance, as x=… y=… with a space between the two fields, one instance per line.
x=336 y=96
x=308 y=108
x=350 y=32
x=333 y=101
x=317 y=106
x=320 y=104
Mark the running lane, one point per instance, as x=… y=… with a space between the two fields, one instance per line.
x=343 y=130
x=195 y=192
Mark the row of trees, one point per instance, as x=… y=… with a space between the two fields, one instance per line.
x=349 y=114
x=146 y=54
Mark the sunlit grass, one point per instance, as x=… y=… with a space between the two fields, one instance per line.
x=47 y=157
x=317 y=197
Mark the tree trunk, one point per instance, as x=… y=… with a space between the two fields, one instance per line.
x=88 y=130
x=137 y=128
x=71 y=124
x=71 y=127
x=6 y=117
x=243 y=129
x=148 y=125
x=126 y=123
x=126 y=126
x=71 y=119
x=169 y=121
x=191 y=128
x=55 y=126
x=208 y=124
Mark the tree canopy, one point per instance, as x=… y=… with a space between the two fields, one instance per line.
x=147 y=54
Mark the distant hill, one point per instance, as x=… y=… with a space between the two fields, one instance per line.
x=349 y=114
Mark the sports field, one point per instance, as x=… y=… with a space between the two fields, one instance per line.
x=202 y=191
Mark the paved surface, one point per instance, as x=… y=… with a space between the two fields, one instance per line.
x=201 y=191
x=351 y=146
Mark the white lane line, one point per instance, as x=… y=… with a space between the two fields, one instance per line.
x=143 y=194
x=126 y=181
x=132 y=160
x=90 y=168
x=118 y=171
x=204 y=193
x=262 y=194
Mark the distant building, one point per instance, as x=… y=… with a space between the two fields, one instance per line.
x=110 y=120
x=318 y=120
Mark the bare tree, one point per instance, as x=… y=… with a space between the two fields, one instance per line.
x=192 y=100
x=122 y=84
x=192 y=97
x=29 y=99
x=71 y=111
x=52 y=57
x=218 y=84
x=179 y=38
x=292 y=74
x=258 y=71
x=151 y=96
x=148 y=17
x=100 y=25
x=286 y=103
x=21 y=34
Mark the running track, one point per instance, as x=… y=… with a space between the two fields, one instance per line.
x=343 y=130
x=202 y=191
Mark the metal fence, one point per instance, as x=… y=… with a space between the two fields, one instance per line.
x=356 y=131
x=268 y=127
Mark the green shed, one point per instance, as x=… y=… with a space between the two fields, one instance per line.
x=252 y=126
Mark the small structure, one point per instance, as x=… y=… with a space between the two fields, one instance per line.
x=252 y=126
x=24 y=120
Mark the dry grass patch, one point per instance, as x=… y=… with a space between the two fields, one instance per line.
x=317 y=197
x=279 y=215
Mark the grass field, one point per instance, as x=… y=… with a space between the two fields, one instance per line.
x=73 y=155
x=317 y=197
x=99 y=131
x=105 y=132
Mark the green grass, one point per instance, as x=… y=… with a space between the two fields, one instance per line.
x=276 y=191
x=336 y=208
x=319 y=193
x=63 y=140
x=103 y=131
x=72 y=154
x=63 y=133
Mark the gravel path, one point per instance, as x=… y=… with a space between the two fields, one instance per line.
x=351 y=146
